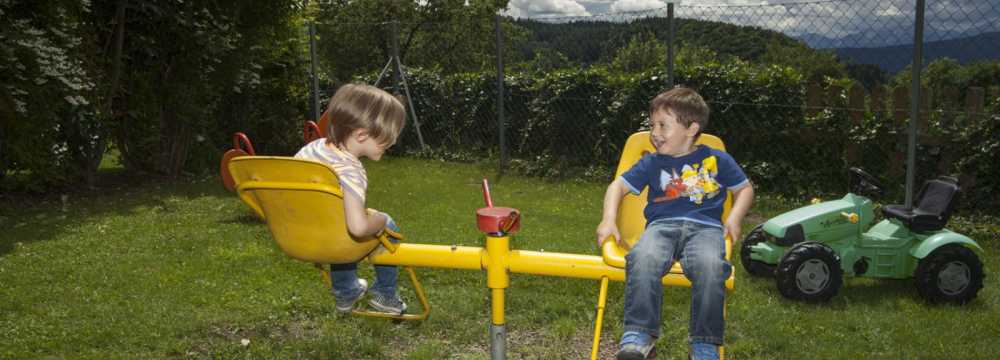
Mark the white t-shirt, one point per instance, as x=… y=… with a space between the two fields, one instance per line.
x=349 y=170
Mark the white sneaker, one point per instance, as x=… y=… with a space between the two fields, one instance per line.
x=390 y=305
x=347 y=305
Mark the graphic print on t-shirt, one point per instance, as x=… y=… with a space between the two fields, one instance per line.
x=696 y=182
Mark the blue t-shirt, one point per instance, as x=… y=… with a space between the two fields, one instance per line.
x=691 y=187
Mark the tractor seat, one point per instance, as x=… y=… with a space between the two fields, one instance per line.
x=935 y=203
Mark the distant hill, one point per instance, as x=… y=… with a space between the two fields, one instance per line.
x=894 y=58
x=587 y=42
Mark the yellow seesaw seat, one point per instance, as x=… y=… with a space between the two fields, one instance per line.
x=632 y=222
x=303 y=205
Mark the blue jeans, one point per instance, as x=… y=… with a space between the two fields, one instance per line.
x=345 y=279
x=701 y=250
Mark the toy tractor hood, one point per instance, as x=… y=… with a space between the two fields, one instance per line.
x=797 y=225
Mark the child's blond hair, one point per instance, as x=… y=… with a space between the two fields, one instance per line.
x=360 y=106
x=686 y=105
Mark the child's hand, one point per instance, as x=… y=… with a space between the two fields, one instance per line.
x=390 y=223
x=732 y=229
x=606 y=229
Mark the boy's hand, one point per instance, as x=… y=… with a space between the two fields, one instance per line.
x=606 y=229
x=732 y=229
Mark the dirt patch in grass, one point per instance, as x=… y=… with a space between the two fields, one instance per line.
x=295 y=329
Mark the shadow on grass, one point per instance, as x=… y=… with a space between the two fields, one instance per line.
x=876 y=291
x=246 y=218
x=30 y=217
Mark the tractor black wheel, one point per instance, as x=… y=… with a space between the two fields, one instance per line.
x=950 y=274
x=809 y=271
x=755 y=267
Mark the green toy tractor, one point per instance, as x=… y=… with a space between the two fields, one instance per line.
x=808 y=250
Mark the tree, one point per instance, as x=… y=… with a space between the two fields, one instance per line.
x=452 y=35
x=161 y=79
x=48 y=126
x=546 y=60
x=869 y=75
x=815 y=64
x=643 y=52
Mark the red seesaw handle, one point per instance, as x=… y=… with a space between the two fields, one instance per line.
x=311 y=131
x=241 y=138
x=486 y=193
x=509 y=222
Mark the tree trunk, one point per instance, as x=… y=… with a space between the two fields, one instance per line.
x=96 y=153
x=7 y=115
x=175 y=136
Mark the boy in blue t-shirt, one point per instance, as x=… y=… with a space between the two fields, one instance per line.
x=687 y=190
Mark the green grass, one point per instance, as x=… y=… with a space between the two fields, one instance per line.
x=179 y=270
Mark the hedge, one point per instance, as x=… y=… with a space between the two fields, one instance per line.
x=571 y=123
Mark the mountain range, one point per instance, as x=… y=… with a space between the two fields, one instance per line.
x=895 y=58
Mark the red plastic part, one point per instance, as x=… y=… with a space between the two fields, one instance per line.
x=324 y=124
x=496 y=220
x=227 y=178
x=241 y=147
x=241 y=138
x=311 y=132
x=486 y=194
x=492 y=220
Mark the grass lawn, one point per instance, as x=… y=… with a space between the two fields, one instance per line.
x=178 y=270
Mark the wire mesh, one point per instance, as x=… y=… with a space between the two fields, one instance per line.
x=800 y=91
x=855 y=114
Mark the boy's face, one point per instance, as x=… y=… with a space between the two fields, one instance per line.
x=670 y=137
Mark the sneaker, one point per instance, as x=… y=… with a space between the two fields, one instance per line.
x=704 y=351
x=387 y=304
x=346 y=305
x=636 y=346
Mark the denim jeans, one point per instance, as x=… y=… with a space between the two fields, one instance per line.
x=345 y=279
x=701 y=251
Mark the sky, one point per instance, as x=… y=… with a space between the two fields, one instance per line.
x=833 y=23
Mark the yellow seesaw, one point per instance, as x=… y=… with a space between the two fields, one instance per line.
x=302 y=203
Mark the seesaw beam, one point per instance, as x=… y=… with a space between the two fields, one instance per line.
x=516 y=261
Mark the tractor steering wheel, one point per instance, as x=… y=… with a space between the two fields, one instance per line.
x=864 y=183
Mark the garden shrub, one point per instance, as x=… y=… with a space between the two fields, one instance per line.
x=572 y=123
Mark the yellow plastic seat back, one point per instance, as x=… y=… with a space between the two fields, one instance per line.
x=631 y=220
x=303 y=205
x=274 y=168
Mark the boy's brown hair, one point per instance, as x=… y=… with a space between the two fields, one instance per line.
x=360 y=106
x=685 y=104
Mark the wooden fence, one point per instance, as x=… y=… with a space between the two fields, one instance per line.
x=946 y=106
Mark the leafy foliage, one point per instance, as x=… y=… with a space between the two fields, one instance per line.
x=356 y=35
x=591 y=42
x=642 y=53
x=160 y=79
x=571 y=123
x=48 y=122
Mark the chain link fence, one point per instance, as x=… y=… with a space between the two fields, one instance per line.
x=799 y=91
x=447 y=83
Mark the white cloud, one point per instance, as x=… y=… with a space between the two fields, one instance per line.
x=891 y=10
x=825 y=23
x=545 y=8
x=636 y=5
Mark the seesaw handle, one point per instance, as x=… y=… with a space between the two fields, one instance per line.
x=241 y=138
x=486 y=193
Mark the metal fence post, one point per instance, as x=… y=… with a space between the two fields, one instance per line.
x=670 y=45
x=501 y=127
x=918 y=55
x=314 y=79
x=394 y=47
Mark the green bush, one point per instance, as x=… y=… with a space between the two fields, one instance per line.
x=572 y=123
